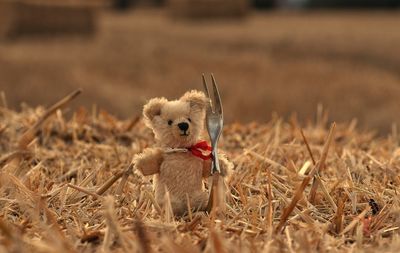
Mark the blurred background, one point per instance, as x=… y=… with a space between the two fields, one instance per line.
x=283 y=56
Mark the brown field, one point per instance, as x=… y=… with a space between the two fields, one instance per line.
x=269 y=62
x=66 y=186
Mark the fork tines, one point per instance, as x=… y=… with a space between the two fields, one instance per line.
x=216 y=105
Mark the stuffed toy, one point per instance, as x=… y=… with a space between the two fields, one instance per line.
x=180 y=159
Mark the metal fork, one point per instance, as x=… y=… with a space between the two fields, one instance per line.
x=214 y=122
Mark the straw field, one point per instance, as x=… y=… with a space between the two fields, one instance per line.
x=67 y=185
x=280 y=62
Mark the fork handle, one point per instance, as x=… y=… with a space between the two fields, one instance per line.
x=215 y=161
x=213 y=197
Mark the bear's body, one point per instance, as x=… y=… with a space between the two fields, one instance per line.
x=181 y=174
x=177 y=126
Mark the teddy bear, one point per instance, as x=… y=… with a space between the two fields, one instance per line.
x=180 y=161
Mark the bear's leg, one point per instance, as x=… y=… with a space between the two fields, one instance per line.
x=179 y=207
x=199 y=201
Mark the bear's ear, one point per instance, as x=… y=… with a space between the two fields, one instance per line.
x=153 y=108
x=196 y=99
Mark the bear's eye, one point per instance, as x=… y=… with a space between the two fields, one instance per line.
x=189 y=119
x=169 y=122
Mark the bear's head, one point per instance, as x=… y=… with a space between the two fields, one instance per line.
x=177 y=123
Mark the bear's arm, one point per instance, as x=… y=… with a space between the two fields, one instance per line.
x=149 y=162
x=225 y=165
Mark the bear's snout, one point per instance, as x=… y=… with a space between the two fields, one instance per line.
x=183 y=126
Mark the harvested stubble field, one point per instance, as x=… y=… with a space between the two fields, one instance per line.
x=67 y=186
x=277 y=61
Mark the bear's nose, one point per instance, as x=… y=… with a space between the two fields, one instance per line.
x=183 y=126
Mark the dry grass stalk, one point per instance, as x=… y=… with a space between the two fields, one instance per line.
x=217 y=245
x=307 y=146
x=55 y=231
x=84 y=191
x=113 y=228
x=355 y=221
x=296 y=198
x=124 y=179
x=299 y=193
x=270 y=213
x=321 y=163
x=2 y=128
x=103 y=188
x=143 y=239
x=29 y=135
x=154 y=202
x=12 y=155
x=339 y=216
x=73 y=197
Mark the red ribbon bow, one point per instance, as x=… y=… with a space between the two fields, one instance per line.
x=199 y=148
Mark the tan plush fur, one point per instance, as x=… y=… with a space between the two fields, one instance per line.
x=181 y=174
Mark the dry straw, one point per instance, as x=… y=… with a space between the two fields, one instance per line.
x=68 y=185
